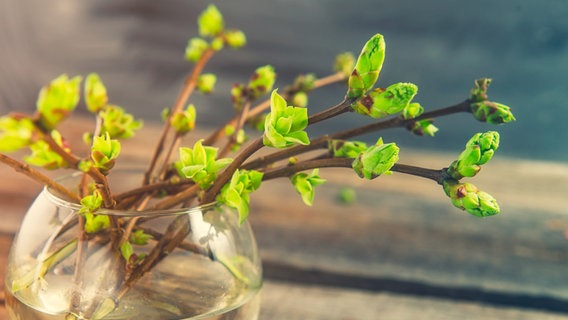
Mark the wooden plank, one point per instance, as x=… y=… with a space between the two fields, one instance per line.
x=283 y=301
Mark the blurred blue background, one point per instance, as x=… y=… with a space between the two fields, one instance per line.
x=442 y=46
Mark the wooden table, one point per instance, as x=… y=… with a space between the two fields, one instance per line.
x=401 y=252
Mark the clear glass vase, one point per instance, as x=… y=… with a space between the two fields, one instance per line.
x=200 y=263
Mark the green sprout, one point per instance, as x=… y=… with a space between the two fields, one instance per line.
x=95 y=93
x=200 y=164
x=195 y=48
x=380 y=102
x=347 y=149
x=412 y=110
x=284 y=126
x=206 y=82
x=492 y=112
x=367 y=67
x=305 y=184
x=423 y=127
x=261 y=81
x=118 y=123
x=376 y=160
x=235 y=194
x=15 y=133
x=184 y=121
x=235 y=38
x=210 y=22
x=478 y=151
x=57 y=100
x=104 y=152
x=43 y=156
x=467 y=197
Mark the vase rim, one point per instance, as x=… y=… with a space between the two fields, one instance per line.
x=60 y=201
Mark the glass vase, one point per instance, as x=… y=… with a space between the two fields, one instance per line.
x=194 y=263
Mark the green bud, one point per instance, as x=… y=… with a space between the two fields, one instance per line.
x=126 y=250
x=235 y=194
x=96 y=222
x=43 y=156
x=412 y=110
x=367 y=67
x=478 y=151
x=344 y=63
x=492 y=112
x=305 y=82
x=347 y=195
x=91 y=203
x=238 y=96
x=206 y=82
x=235 y=38
x=184 y=121
x=15 y=133
x=195 y=48
x=261 y=81
x=284 y=125
x=118 y=123
x=347 y=149
x=376 y=160
x=139 y=237
x=57 y=100
x=305 y=183
x=423 y=127
x=467 y=197
x=479 y=91
x=217 y=43
x=210 y=22
x=300 y=99
x=200 y=164
x=380 y=102
x=95 y=93
x=104 y=152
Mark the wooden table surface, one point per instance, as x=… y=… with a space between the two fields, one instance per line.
x=401 y=252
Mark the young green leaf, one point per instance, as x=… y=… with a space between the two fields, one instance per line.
x=367 y=67
x=139 y=237
x=184 y=121
x=104 y=152
x=118 y=123
x=235 y=194
x=261 y=81
x=210 y=22
x=305 y=184
x=15 y=133
x=376 y=160
x=95 y=93
x=347 y=149
x=284 y=126
x=380 y=102
x=200 y=164
x=478 y=151
x=43 y=156
x=57 y=100
x=492 y=112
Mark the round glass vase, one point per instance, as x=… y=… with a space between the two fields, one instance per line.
x=194 y=263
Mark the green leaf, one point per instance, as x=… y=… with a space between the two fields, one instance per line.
x=235 y=194
x=305 y=183
x=118 y=123
x=210 y=22
x=15 y=133
x=376 y=160
x=95 y=93
x=380 y=102
x=184 y=121
x=96 y=222
x=126 y=250
x=139 y=237
x=57 y=100
x=478 y=151
x=200 y=164
x=43 y=156
x=492 y=112
x=367 y=67
x=261 y=81
x=347 y=149
x=104 y=152
x=284 y=124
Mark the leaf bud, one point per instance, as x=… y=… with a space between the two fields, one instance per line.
x=95 y=93
x=492 y=112
x=467 y=197
x=206 y=82
x=184 y=121
x=367 y=67
x=261 y=81
x=376 y=160
x=235 y=38
x=344 y=63
x=195 y=48
x=300 y=99
x=57 y=100
x=210 y=22
x=380 y=102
